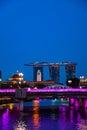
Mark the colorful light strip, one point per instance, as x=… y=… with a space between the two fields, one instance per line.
x=45 y=90
x=7 y=90
x=57 y=90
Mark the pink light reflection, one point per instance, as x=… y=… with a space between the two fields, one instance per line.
x=77 y=102
x=72 y=101
x=85 y=103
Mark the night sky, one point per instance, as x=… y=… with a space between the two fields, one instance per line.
x=42 y=30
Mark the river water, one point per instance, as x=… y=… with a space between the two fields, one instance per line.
x=43 y=115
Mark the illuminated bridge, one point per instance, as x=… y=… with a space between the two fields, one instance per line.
x=76 y=97
x=44 y=93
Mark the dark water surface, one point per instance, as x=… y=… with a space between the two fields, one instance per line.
x=43 y=115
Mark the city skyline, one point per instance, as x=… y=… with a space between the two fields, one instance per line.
x=52 y=31
x=54 y=71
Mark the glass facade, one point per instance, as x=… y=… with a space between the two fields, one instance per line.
x=54 y=73
x=70 y=71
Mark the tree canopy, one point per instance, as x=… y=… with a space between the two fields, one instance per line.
x=73 y=82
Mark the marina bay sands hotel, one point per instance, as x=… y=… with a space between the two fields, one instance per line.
x=54 y=70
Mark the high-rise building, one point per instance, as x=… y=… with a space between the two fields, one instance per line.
x=70 y=71
x=54 y=70
x=54 y=73
x=38 y=73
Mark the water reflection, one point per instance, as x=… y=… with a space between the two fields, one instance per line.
x=5 y=120
x=36 y=115
x=21 y=126
x=10 y=106
x=82 y=125
x=43 y=115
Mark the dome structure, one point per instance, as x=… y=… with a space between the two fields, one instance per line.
x=18 y=77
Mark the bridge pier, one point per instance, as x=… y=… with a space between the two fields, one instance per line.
x=79 y=102
x=85 y=103
x=21 y=95
x=21 y=105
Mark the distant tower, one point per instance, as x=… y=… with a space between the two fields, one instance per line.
x=38 y=73
x=54 y=73
x=70 y=71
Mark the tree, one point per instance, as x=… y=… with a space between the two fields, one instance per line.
x=73 y=82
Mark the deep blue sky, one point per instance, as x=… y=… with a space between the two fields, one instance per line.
x=42 y=30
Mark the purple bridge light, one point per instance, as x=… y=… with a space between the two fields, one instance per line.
x=57 y=90
x=45 y=90
x=7 y=90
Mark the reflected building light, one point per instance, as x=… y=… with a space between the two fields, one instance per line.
x=11 y=105
x=77 y=102
x=72 y=101
x=5 y=120
x=36 y=105
x=82 y=125
x=62 y=117
x=36 y=120
x=21 y=126
x=53 y=116
x=85 y=113
x=85 y=103
x=36 y=116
